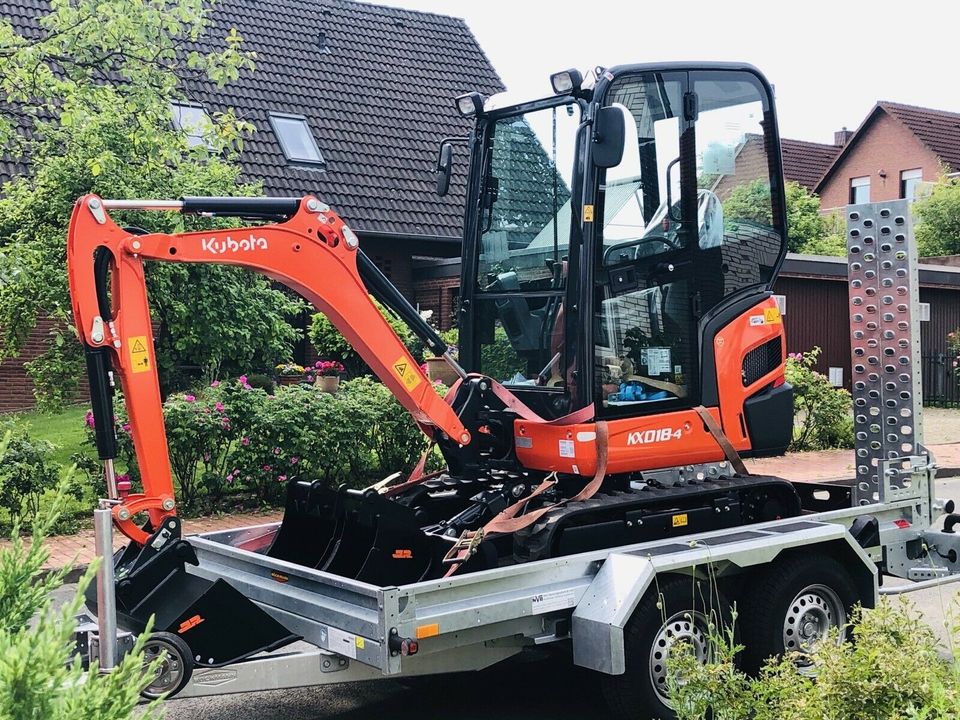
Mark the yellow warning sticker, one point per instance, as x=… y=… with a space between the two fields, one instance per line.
x=407 y=372
x=360 y=643
x=139 y=359
x=680 y=520
x=588 y=213
x=772 y=316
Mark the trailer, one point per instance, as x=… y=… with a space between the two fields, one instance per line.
x=618 y=611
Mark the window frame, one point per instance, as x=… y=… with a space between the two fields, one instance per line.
x=319 y=161
x=853 y=188
x=906 y=176
x=193 y=140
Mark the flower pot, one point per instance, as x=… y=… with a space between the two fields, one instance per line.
x=439 y=370
x=290 y=379
x=328 y=384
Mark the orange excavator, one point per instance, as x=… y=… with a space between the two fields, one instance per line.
x=620 y=347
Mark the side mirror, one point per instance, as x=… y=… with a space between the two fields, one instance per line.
x=609 y=135
x=444 y=167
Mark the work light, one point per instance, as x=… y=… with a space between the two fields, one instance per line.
x=470 y=104
x=566 y=81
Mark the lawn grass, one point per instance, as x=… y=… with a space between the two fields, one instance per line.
x=65 y=430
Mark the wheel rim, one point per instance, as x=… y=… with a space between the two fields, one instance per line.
x=810 y=616
x=689 y=627
x=169 y=672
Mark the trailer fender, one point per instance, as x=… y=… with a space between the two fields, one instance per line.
x=602 y=613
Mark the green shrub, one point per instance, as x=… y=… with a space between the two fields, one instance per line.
x=499 y=360
x=27 y=471
x=892 y=668
x=331 y=345
x=822 y=413
x=261 y=382
x=37 y=677
x=303 y=433
x=396 y=440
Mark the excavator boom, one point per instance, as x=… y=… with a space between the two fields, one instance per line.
x=312 y=252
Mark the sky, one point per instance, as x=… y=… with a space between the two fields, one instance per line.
x=829 y=62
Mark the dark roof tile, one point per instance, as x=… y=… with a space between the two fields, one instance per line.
x=806 y=162
x=378 y=102
x=939 y=130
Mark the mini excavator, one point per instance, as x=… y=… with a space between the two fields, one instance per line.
x=620 y=346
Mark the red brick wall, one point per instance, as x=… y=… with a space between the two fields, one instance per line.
x=750 y=164
x=16 y=389
x=438 y=295
x=886 y=145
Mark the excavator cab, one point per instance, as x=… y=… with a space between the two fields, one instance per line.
x=603 y=276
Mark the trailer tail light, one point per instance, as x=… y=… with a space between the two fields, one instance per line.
x=404 y=646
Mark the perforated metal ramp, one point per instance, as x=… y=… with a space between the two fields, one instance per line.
x=885 y=343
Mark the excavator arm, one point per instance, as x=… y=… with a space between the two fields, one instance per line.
x=312 y=251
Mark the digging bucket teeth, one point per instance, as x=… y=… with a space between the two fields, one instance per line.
x=217 y=622
x=356 y=534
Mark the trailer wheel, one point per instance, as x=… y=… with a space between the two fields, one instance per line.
x=679 y=610
x=175 y=666
x=791 y=606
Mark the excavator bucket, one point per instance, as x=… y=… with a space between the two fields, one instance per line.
x=356 y=534
x=218 y=623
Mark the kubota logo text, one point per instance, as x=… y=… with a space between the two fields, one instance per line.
x=646 y=437
x=229 y=245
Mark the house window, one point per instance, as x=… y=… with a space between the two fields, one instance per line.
x=859 y=190
x=295 y=138
x=909 y=181
x=193 y=121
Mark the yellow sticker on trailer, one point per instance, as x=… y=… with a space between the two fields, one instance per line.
x=139 y=358
x=588 y=213
x=407 y=372
x=680 y=520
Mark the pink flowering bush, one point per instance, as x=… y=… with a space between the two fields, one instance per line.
x=233 y=439
x=304 y=434
x=823 y=414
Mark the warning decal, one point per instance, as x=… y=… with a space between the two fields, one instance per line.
x=588 y=213
x=772 y=315
x=407 y=373
x=139 y=359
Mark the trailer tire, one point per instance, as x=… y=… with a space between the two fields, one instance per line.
x=678 y=608
x=791 y=604
x=176 y=665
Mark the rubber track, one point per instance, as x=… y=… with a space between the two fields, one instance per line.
x=533 y=543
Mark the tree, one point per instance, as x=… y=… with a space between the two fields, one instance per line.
x=91 y=110
x=938 y=229
x=808 y=231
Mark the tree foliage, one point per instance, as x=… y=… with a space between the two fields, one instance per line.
x=938 y=229
x=92 y=114
x=808 y=231
x=38 y=677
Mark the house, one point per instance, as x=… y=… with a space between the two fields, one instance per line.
x=895 y=149
x=350 y=102
x=803 y=162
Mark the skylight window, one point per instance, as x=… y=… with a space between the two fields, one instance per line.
x=295 y=138
x=193 y=121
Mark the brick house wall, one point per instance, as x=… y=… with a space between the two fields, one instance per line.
x=16 y=388
x=750 y=163
x=887 y=146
